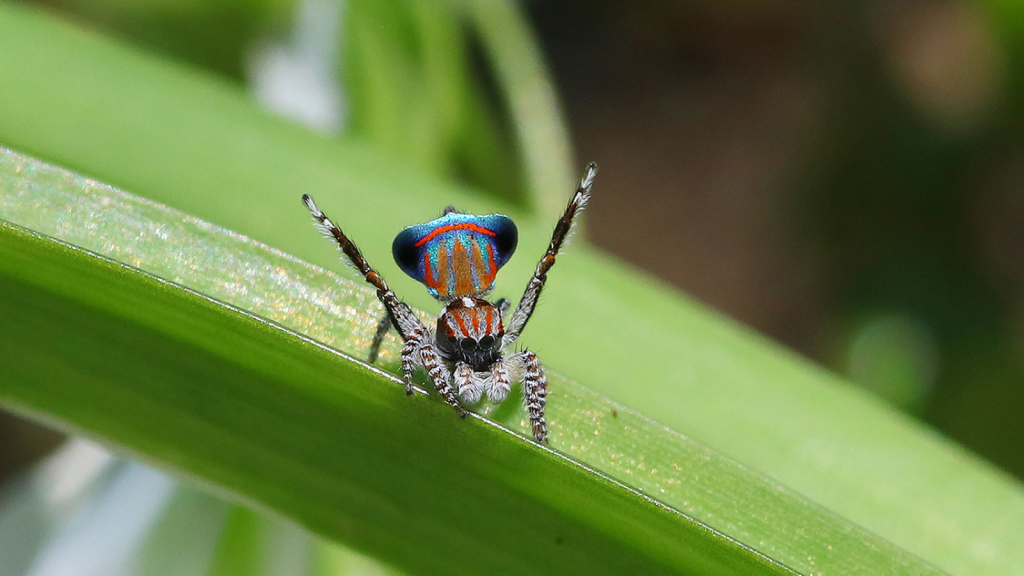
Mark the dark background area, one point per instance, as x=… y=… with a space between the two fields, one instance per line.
x=847 y=179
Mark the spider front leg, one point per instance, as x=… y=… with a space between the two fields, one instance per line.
x=419 y=348
x=436 y=369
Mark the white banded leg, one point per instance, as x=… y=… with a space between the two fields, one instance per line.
x=535 y=393
x=440 y=376
x=410 y=353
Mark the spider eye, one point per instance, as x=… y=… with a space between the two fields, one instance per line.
x=406 y=253
x=487 y=341
x=468 y=344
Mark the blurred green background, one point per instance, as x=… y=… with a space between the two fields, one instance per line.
x=845 y=178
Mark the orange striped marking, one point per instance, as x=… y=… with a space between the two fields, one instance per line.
x=429 y=279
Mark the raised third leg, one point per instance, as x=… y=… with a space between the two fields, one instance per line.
x=528 y=302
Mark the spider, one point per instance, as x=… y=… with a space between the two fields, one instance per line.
x=457 y=257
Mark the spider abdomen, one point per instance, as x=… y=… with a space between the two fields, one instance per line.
x=456 y=255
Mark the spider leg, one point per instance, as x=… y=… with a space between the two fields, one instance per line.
x=400 y=314
x=535 y=392
x=439 y=374
x=529 y=300
x=419 y=341
x=498 y=384
x=503 y=305
x=410 y=357
x=378 y=338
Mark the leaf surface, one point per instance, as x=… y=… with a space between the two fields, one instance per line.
x=204 y=351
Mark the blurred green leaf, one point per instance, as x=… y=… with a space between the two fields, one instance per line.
x=410 y=89
x=210 y=33
x=193 y=521
x=531 y=99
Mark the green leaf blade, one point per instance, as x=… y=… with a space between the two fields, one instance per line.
x=370 y=497
x=176 y=373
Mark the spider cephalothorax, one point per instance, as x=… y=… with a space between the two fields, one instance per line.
x=457 y=257
x=470 y=331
